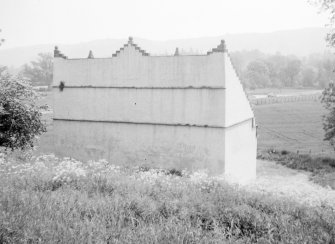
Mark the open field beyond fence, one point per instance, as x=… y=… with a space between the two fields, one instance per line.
x=294 y=126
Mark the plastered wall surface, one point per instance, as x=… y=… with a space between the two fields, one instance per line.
x=179 y=147
x=131 y=69
x=237 y=107
x=241 y=151
x=163 y=106
x=173 y=111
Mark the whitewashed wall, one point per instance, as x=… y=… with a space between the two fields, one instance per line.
x=163 y=106
x=131 y=69
x=180 y=147
x=178 y=111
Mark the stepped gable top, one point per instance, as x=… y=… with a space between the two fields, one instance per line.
x=58 y=54
x=221 y=48
x=131 y=43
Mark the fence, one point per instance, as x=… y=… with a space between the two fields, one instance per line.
x=285 y=99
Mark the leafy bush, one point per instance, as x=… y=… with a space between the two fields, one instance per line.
x=328 y=101
x=20 y=117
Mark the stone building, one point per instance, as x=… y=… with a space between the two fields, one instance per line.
x=180 y=111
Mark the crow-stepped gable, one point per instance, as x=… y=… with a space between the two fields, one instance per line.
x=179 y=111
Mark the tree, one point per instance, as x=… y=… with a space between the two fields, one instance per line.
x=1 y=39
x=328 y=94
x=329 y=7
x=291 y=71
x=274 y=70
x=2 y=68
x=257 y=74
x=308 y=77
x=40 y=72
x=20 y=117
x=328 y=100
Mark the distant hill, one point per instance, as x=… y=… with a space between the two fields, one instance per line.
x=301 y=42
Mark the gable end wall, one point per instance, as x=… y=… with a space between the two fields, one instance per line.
x=164 y=111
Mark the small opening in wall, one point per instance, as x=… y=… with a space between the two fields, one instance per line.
x=61 y=85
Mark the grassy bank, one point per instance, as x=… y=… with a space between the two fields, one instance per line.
x=51 y=200
x=322 y=169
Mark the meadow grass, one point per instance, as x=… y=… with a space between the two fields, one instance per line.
x=294 y=126
x=50 y=200
x=322 y=168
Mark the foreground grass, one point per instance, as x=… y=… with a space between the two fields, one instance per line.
x=322 y=168
x=65 y=201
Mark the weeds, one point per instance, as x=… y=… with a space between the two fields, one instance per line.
x=322 y=168
x=101 y=203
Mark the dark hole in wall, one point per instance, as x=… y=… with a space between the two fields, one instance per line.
x=61 y=85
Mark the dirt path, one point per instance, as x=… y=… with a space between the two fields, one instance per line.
x=295 y=184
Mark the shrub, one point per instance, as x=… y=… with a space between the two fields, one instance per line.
x=175 y=172
x=20 y=117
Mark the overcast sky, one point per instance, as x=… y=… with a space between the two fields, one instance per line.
x=28 y=22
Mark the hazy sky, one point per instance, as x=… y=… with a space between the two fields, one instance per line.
x=27 y=22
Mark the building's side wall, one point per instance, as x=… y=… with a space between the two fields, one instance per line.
x=238 y=108
x=240 y=132
x=163 y=106
x=180 y=147
x=241 y=151
x=131 y=69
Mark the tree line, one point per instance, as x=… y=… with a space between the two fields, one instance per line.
x=259 y=70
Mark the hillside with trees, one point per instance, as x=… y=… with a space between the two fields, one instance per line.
x=259 y=70
x=39 y=72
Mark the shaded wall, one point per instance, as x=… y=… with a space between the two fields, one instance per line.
x=177 y=147
x=241 y=150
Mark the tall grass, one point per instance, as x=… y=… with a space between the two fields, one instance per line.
x=322 y=169
x=100 y=203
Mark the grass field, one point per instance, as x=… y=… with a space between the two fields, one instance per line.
x=51 y=200
x=292 y=126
